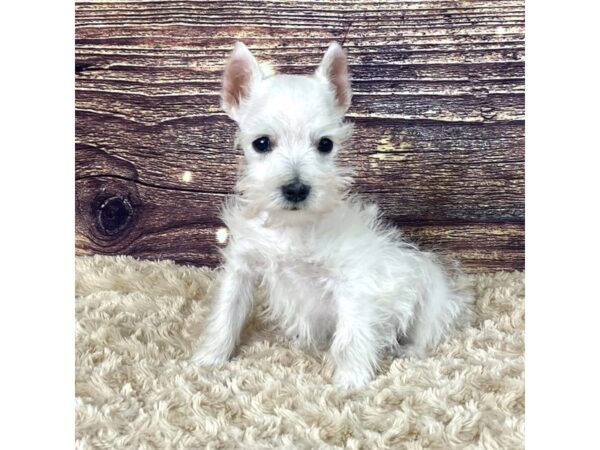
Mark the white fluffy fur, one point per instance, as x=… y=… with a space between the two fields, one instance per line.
x=334 y=274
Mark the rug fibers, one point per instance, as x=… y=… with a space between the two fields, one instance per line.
x=136 y=326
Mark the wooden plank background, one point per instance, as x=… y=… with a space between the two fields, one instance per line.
x=438 y=110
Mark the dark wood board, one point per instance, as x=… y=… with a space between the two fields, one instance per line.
x=438 y=109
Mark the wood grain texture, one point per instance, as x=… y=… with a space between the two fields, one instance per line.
x=438 y=109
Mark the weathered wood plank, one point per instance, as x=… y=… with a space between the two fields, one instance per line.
x=464 y=172
x=185 y=230
x=438 y=112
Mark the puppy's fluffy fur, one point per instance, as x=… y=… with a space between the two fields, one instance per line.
x=334 y=274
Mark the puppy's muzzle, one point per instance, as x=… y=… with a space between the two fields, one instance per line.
x=295 y=192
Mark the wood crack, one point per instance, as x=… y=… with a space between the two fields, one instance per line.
x=153 y=185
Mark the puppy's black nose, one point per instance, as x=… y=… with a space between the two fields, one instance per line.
x=295 y=192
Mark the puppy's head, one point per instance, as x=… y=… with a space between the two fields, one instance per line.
x=291 y=129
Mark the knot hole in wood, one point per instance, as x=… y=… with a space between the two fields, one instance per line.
x=113 y=215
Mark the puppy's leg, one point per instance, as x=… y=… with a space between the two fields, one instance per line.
x=355 y=346
x=230 y=311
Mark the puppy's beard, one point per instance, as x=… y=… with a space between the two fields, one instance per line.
x=276 y=211
x=287 y=217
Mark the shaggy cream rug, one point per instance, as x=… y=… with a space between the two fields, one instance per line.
x=138 y=321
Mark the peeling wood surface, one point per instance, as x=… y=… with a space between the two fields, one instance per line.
x=438 y=111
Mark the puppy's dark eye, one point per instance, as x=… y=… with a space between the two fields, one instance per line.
x=262 y=144
x=325 y=145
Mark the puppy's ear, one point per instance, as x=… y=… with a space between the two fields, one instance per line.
x=241 y=73
x=334 y=69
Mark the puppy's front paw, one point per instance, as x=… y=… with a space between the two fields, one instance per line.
x=350 y=379
x=207 y=358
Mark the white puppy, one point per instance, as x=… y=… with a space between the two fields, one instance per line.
x=333 y=273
